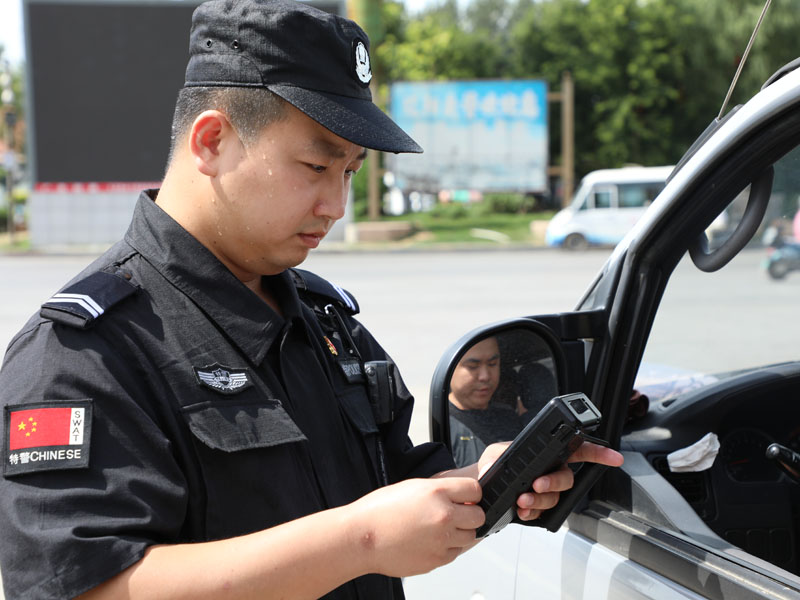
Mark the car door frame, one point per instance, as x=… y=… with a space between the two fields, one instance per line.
x=630 y=289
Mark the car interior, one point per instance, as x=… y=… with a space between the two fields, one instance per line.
x=744 y=500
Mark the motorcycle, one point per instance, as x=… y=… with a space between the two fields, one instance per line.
x=783 y=255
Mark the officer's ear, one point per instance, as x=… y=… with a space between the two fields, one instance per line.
x=210 y=133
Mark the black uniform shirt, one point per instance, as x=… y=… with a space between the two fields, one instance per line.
x=206 y=415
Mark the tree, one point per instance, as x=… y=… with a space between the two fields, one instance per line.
x=15 y=84
x=627 y=71
x=649 y=75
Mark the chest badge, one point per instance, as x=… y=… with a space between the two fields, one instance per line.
x=331 y=347
x=223 y=379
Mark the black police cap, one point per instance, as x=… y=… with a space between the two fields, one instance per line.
x=316 y=61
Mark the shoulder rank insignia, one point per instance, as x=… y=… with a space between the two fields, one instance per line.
x=223 y=379
x=82 y=303
x=306 y=281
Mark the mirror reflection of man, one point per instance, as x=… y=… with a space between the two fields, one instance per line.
x=476 y=421
x=476 y=377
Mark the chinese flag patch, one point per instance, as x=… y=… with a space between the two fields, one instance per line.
x=47 y=436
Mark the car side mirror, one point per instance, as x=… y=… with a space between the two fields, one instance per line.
x=490 y=383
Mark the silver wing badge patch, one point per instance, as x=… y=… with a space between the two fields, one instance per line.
x=225 y=380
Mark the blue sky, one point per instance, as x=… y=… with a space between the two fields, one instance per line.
x=11 y=30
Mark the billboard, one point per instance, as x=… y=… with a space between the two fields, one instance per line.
x=487 y=135
x=102 y=79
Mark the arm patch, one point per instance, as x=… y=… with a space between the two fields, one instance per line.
x=82 y=303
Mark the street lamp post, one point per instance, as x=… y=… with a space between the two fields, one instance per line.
x=9 y=160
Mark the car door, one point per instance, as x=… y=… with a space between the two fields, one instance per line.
x=599 y=219
x=635 y=532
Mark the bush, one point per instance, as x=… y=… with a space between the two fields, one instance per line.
x=508 y=203
x=450 y=210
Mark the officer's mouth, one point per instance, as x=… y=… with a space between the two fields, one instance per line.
x=312 y=239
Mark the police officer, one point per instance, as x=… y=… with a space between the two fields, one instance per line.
x=192 y=417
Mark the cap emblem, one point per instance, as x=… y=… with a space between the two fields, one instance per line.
x=363 y=68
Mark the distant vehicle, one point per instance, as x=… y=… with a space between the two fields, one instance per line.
x=783 y=256
x=605 y=207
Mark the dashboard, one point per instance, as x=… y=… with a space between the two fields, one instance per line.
x=746 y=498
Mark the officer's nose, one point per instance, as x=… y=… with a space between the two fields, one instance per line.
x=332 y=203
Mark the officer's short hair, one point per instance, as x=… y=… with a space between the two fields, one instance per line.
x=250 y=110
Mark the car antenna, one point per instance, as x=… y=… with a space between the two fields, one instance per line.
x=744 y=58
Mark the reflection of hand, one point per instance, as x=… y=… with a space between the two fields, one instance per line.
x=521 y=410
x=419 y=524
x=547 y=488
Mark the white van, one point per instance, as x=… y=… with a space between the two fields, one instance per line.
x=607 y=204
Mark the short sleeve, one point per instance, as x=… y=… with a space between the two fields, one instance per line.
x=66 y=530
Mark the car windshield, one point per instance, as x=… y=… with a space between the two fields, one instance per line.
x=741 y=316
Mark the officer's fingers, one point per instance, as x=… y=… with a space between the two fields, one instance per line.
x=468 y=517
x=538 y=501
x=556 y=481
x=590 y=452
x=460 y=490
x=528 y=514
x=530 y=506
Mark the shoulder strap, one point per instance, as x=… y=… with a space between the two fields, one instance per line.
x=83 y=302
x=307 y=283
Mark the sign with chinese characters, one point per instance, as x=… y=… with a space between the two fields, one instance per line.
x=487 y=135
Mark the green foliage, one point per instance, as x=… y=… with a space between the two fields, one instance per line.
x=17 y=86
x=433 y=46
x=455 y=222
x=359 y=189
x=450 y=211
x=627 y=72
x=508 y=203
x=649 y=74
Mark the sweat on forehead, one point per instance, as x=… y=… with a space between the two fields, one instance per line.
x=322 y=146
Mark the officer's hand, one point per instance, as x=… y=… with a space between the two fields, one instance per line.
x=547 y=488
x=417 y=525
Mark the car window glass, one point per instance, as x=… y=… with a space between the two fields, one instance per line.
x=743 y=314
x=602 y=199
x=637 y=195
